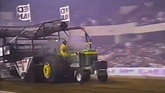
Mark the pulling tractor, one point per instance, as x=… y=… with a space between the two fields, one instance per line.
x=32 y=58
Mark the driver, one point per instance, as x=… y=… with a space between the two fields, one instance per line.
x=64 y=49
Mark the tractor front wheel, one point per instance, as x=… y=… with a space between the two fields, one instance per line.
x=82 y=76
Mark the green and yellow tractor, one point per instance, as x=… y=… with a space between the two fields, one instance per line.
x=34 y=61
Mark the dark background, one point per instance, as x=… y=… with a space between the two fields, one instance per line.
x=81 y=10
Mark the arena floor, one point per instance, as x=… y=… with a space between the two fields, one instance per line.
x=114 y=85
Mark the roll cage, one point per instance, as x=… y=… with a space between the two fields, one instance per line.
x=40 y=28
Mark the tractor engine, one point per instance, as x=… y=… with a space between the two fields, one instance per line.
x=87 y=58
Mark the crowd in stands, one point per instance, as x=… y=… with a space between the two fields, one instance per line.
x=147 y=54
x=158 y=17
x=108 y=13
x=143 y=14
x=155 y=18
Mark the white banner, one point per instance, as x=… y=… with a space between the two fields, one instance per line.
x=152 y=72
x=64 y=14
x=23 y=12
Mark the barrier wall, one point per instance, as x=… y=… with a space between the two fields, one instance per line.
x=107 y=30
x=122 y=71
x=129 y=28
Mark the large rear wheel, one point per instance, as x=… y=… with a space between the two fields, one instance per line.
x=34 y=74
x=47 y=70
x=54 y=69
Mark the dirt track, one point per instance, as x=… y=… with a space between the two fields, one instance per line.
x=114 y=85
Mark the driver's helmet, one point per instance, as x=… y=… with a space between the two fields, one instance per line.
x=64 y=41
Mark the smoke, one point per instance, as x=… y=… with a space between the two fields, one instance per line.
x=77 y=43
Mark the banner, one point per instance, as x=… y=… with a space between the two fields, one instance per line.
x=152 y=72
x=23 y=12
x=64 y=14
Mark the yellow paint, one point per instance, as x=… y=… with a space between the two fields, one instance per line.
x=90 y=53
x=47 y=70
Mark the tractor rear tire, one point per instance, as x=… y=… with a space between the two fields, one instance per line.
x=54 y=69
x=102 y=78
x=33 y=75
x=70 y=76
x=82 y=76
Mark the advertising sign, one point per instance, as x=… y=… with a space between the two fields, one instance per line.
x=64 y=14
x=23 y=12
x=154 y=72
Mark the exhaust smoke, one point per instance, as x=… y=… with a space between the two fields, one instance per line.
x=77 y=43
